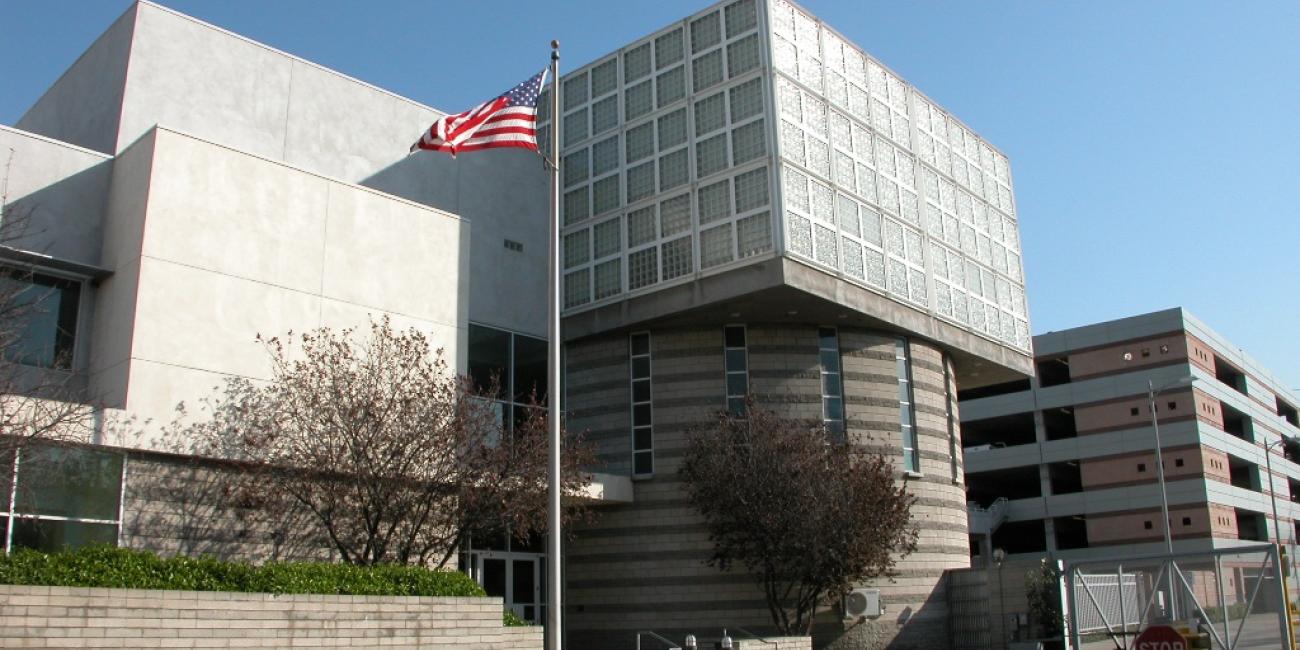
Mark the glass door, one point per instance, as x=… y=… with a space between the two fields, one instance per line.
x=516 y=578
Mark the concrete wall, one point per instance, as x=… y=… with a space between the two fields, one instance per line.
x=211 y=246
x=59 y=189
x=642 y=565
x=64 y=617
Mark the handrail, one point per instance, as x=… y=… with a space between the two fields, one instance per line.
x=657 y=637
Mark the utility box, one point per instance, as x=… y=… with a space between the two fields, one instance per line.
x=863 y=602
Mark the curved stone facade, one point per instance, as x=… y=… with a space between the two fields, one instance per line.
x=641 y=566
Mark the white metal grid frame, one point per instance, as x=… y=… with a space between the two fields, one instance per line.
x=13 y=513
x=832 y=379
x=735 y=361
x=906 y=406
x=685 y=175
x=854 y=137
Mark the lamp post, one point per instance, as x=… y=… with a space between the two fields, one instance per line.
x=1000 y=556
x=1272 y=493
x=1152 y=392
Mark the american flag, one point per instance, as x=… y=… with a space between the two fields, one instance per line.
x=507 y=121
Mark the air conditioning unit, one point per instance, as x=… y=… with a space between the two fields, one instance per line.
x=863 y=602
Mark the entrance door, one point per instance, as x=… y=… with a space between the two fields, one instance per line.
x=516 y=578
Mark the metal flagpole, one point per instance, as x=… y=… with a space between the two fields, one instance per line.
x=554 y=582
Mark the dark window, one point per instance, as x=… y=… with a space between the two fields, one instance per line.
x=65 y=497
x=1133 y=411
x=1172 y=406
x=828 y=348
x=1142 y=467
x=907 y=417
x=44 y=318
x=736 y=368
x=642 y=406
x=1146 y=525
x=1178 y=462
x=1187 y=521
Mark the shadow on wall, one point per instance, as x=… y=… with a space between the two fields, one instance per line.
x=914 y=626
x=64 y=219
x=191 y=506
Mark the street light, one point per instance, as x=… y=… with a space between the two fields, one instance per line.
x=1272 y=493
x=1152 y=392
x=1000 y=556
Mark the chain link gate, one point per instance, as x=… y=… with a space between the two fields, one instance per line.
x=1224 y=599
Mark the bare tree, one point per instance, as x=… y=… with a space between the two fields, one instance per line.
x=805 y=515
x=41 y=393
x=394 y=457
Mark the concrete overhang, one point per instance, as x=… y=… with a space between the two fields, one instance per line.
x=783 y=290
x=37 y=261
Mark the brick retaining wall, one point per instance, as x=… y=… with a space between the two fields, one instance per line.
x=65 y=617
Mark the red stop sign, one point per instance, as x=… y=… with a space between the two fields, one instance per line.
x=1160 y=637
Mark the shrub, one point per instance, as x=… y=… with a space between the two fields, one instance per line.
x=105 y=566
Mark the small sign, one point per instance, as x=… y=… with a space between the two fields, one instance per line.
x=1160 y=637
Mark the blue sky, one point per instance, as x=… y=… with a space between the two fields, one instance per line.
x=1155 y=145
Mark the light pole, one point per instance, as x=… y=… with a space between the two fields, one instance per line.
x=1272 y=493
x=1152 y=392
x=1000 y=556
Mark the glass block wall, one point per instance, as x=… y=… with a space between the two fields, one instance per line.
x=881 y=187
x=666 y=168
x=752 y=129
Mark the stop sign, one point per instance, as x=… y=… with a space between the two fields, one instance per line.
x=1160 y=637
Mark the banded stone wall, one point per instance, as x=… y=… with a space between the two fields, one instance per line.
x=641 y=566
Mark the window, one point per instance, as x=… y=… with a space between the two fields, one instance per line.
x=1178 y=462
x=907 y=417
x=1187 y=521
x=643 y=462
x=1172 y=406
x=511 y=368
x=1142 y=467
x=1133 y=411
x=828 y=348
x=64 y=497
x=1146 y=525
x=44 y=313
x=736 y=364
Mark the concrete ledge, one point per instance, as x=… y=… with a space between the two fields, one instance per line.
x=68 y=617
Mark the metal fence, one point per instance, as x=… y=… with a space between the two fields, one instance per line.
x=1228 y=599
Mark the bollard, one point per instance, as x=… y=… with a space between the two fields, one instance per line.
x=725 y=643
x=689 y=643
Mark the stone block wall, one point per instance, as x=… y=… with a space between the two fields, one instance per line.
x=64 y=617
x=642 y=566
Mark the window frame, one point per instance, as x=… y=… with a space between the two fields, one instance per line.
x=728 y=371
x=648 y=403
x=12 y=514
x=834 y=426
x=910 y=442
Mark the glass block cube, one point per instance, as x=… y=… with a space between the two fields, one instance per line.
x=575 y=91
x=800 y=234
x=844 y=172
x=823 y=206
x=640 y=182
x=747 y=100
x=672 y=129
x=604 y=194
x=604 y=78
x=751 y=190
x=826 y=246
x=819 y=157
x=673 y=170
x=754 y=234
x=577 y=288
x=742 y=16
x=675 y=215
x=852 y=258
x=574 y=167
x=577 y=248
x=875 y=263
x=871 y=230
x=806 y=32
x=638 y=100
x=814 y=116
x=641 y=226
x=605 y=238
x=577 y=206
x=897 y=282
x=710 y=113
x=706 y=32
x=636 y=63
x=917 y=289
x=715 y=246
x=810 y=71
x=668 y=49
x=604 y=156
x=715 y=201
x=743 y=56
x=677 y=258
x=792 y=143
x=575 y=127
x=747 y=142
x=604 y=115
x=609 y=278
x=866 y=183
x=706 y=70
x=785 y=57
x=670 y=86
x=711 y=155
x=846 y=213
x=640 y=142
x=894 y=239
x=642 y=268
x=796 y=190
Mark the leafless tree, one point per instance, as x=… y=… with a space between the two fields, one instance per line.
x=395 y=458
x=806 y=515
x=41 y=393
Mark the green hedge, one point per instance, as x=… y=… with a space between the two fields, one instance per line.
x=105 y=566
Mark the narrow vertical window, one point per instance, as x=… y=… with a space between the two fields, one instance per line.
x=736 y=360
x=643 y=460
x=828 y=349
x=907 y=417
x=948 y=400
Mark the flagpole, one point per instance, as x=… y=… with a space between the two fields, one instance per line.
x=554 y=580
